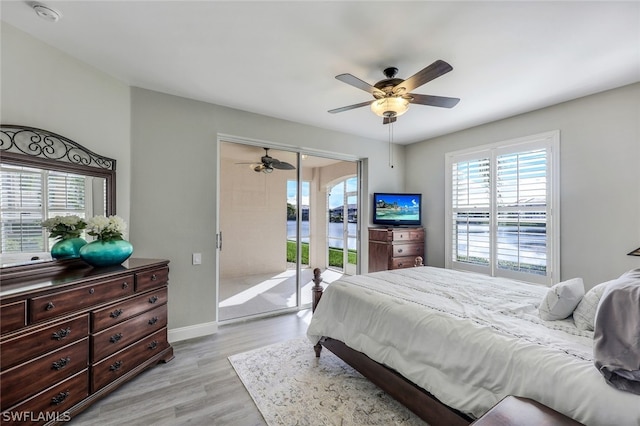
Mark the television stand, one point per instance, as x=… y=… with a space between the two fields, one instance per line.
x=395 y=247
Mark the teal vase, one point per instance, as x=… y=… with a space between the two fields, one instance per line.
x=68 y=248
x=106 y=253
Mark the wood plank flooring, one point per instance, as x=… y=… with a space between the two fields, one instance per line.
x=199 y=386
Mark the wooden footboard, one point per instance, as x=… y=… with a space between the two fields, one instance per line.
x=421 y=402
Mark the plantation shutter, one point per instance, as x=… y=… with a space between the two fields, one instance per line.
x=471 y=202
x=500 y=200
x=28 y=196
x=521 y=211
x=65 y=194
x=22 y=209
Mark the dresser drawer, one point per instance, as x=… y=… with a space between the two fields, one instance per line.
x=26 y=379
x=42 y=340
x=124 y=361
x=151 y=279
x=402 y=262
x=400 y=250
x=57 y=399
x=122 y=335
x=125 y=309
x=408 y=235
x=13 y=316
x=54 y=305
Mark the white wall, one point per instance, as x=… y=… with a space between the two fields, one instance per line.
x=600 y=179
x=45 y=88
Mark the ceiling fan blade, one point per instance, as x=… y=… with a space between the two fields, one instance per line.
x=387 y=120
x=347 y=108
x=429 y=73
x=359 y=84
x=436 y=101
x=281 y=165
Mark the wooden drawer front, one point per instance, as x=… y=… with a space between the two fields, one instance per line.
x=118 y=312
x=401 y=262
x=122 y=335
x=400 y=250
x=151 y=279
x=26 y=379
x=13 y=316
x=53 y=305
x=55 y=400
x=122 y=362
x=380 y=235
x=408 y=235
x=40 y=341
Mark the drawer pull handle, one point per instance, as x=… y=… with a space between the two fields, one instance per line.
x=115 y=338
x=400 y=264
x=116 y=366
x=61 y=363
x=153 y=320
x=59 y=398
x=116 y=313
x=50 y=306
x=153 y=299
x=59 y=335
x=125 y=285
x=92 y=290
x=399 y=250
x=153 y=345
x=154 y=277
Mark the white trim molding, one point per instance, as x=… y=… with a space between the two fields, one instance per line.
x=192 y=331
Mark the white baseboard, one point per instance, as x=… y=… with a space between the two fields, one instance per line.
x=192 y=331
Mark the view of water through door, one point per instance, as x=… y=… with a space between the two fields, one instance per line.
x=275 y=228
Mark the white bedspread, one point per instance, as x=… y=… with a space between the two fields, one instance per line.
x=470 y=340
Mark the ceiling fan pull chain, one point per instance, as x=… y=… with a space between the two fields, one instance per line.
x=391 y=145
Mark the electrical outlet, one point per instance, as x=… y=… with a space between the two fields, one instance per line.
x=197 y=258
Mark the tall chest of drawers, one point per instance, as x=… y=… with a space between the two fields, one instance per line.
x=71 y=337
x=394 y=248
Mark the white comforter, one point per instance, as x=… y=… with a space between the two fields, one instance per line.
x=470 y=340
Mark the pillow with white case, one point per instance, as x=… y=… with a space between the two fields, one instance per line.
x=561 y=299
x=585 y=314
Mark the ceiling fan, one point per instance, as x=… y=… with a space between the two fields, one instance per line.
x=268 y=163
x=392 y=97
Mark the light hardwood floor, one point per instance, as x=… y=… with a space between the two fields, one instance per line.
x=199 y=386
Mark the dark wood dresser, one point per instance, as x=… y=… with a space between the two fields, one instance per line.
x=69 y=337
x=394 y=248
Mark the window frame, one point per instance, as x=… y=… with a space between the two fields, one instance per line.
x=550 y=141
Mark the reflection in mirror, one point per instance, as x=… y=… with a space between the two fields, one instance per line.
x=43 y=175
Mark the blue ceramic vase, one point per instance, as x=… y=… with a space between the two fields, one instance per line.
x=106 y=253
x=68 y=248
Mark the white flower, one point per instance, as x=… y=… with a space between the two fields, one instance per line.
x=106 y=228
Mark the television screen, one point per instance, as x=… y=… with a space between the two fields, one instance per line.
x=397 y=209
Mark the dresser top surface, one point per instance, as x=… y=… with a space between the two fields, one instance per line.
x=16 y=287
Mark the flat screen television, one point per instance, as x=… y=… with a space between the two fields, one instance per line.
x=397 y=209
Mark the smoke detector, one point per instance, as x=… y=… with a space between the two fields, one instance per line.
x=47 y=13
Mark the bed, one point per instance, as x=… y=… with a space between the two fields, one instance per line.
x=455 y=343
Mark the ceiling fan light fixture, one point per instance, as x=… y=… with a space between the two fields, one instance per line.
x=392 y=106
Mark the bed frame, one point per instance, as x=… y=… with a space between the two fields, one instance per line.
x=418 y=400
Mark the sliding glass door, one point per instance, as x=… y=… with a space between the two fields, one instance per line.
x=273 y=225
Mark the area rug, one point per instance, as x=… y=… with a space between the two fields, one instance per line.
x=291 y=386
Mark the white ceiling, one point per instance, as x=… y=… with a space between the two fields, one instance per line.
x=280 y=58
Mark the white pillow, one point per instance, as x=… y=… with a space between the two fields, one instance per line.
x=561 y=299
x=585 y=314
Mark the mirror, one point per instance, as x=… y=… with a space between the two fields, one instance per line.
x=44 y=175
